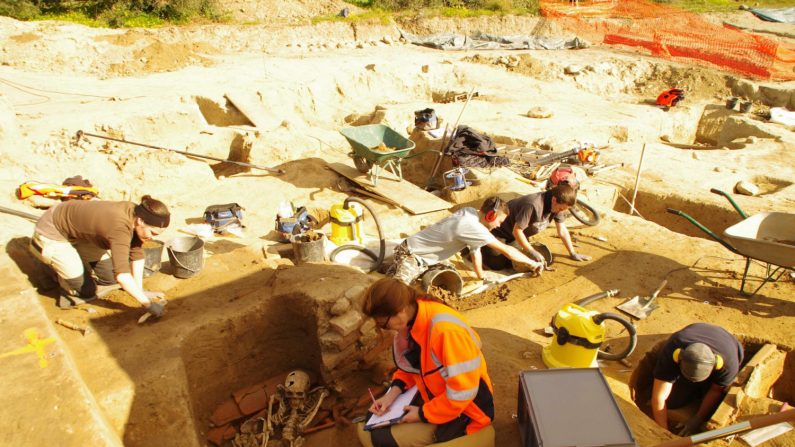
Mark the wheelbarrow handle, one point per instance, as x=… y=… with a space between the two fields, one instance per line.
x=673 y=211
x=704 y=229
x=731 y=200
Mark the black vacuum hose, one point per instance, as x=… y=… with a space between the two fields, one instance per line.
x=597 y=296
x=379 y=259
x=633 y=336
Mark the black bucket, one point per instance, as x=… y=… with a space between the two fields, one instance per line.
x=305 y=250
x=186 y=254
x=153 y=255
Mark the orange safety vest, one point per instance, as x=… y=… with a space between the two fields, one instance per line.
x=452 y=367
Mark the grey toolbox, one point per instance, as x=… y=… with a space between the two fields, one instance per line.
x=570 y=407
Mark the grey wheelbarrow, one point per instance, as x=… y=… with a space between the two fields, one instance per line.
x=766 y=237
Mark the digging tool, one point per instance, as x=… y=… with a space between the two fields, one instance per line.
x=446 y=142
x=80 y=134
x=641 y=307
x=488 y=286
x=637 y=181
x=23 y=214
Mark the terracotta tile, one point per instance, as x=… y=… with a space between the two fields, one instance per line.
x=253 y=400
x=226 y=412
x=217 y=435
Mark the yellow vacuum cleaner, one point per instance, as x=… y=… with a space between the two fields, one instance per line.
x=346 y=223
x=579 y=333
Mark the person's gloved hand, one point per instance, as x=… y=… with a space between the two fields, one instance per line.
x=688 y=427
x=490 y=277
x=536 y=256
x=579 y=257
x=157 y=308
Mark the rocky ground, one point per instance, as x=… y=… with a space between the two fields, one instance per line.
x=229 y=327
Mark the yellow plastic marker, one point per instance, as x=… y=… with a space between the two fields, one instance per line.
x=35 y=344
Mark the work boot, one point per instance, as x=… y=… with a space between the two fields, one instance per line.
x=70 y=302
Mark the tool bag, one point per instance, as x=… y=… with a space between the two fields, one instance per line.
x=220 y=216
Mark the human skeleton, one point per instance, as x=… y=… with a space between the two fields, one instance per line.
x=296 y=404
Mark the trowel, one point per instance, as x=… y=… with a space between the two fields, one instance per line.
x=641 y=307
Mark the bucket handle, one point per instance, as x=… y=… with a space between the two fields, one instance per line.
x=174 y=257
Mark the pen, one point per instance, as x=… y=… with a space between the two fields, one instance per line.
x=375 y=404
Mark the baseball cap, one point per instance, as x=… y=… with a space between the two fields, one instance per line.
x=697 y=362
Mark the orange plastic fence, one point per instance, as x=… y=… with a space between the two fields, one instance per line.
x=670 y=32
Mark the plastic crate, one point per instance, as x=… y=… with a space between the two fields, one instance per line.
x=570 y=407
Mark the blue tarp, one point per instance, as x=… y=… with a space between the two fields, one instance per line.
x=783 y=15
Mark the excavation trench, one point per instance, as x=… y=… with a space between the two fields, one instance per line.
x=277 y=336
x=765 y=380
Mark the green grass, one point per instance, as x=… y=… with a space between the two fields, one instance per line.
x=78 y=17
x=369 y=16
x=722 y=5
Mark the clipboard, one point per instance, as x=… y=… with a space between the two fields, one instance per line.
x=395 y=412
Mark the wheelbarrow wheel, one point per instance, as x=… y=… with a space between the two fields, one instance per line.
x=585 y=213
x=362 y=164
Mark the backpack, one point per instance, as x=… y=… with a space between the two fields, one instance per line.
x=219 y=216
x=564 y=175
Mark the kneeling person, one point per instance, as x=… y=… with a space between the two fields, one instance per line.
x=466 y=228
x=700 y=360
x=528 y=216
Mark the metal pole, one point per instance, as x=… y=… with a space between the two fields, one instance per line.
x=750 y=424
x=23 y=214
x=80 y=133
x=444 y=145
x=637 y=181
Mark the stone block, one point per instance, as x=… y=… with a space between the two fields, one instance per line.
x=332 y=341
x=372 y=354
x=355 y=295
x=341 y=306
x=346 y=323
x=367 y=327
x=765 y=374
x=726 y=411
x=760 y=357
x=332 y=359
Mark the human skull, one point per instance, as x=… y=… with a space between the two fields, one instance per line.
x=296 y=384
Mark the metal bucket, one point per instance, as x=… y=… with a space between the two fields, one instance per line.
x=446 y=278
x=186 y=254
x=306 y=250
x=153 y=256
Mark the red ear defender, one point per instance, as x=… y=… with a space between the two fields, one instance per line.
x=491 y=215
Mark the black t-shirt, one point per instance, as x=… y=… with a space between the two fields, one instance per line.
x=718 y=339
x=532 y=213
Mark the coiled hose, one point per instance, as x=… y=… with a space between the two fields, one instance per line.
x=633 y=336
x=379 y=259
x=598 y=319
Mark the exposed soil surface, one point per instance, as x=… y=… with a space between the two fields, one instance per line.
x=248 y=315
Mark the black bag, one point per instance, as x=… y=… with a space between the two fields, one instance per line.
x=219 y=216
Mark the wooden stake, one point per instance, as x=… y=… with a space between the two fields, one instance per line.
x=637 y=181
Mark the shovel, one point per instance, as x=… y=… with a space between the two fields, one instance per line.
x=641 y=307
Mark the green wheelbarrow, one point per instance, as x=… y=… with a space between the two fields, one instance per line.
x=377 y=147
x=766 y=237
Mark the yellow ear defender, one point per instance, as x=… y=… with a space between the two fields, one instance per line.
x=718 y=358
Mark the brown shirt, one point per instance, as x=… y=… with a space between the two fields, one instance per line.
x=108 y=225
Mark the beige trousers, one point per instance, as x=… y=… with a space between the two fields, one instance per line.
x=421 y=435
x=73 y=263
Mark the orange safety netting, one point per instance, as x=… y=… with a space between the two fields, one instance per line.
x=674 y=33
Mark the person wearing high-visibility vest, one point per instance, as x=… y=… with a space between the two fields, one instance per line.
x=435 y=350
